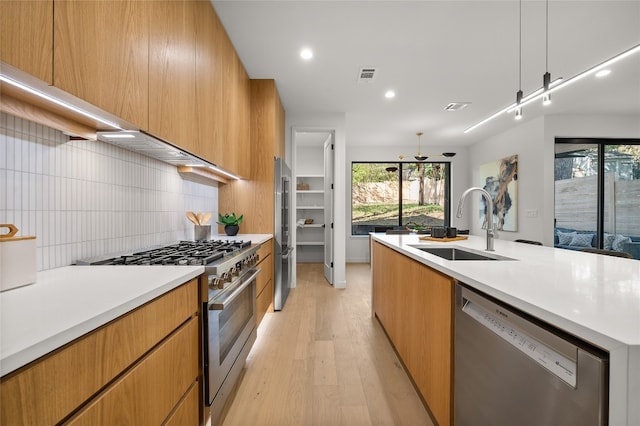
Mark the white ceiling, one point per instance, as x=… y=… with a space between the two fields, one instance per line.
x=433 y=53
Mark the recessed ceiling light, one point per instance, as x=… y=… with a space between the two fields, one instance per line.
x=390 y=94
x=306 y=54
x=603 y=73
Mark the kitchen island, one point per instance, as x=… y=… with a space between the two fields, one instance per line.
x=595 y=298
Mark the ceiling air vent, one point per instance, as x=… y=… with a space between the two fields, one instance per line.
x=366 y=75
x=456 y=106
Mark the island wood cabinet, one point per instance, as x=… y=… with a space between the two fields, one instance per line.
x=26 y=36
x=141 y=368
x=264 y=281
x=414 y=304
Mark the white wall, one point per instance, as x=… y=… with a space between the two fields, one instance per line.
x=533 y=142
x=328 y=122
x=358 y=246
x=84 y=198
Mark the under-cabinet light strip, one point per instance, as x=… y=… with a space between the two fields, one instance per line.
x=557 y=84
x=222 y=172
x=63 y=104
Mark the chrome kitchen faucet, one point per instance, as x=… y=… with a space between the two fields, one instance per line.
x=491 y=226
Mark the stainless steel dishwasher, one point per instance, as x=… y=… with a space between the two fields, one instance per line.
x=511 y=369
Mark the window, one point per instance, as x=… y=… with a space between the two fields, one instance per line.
x=597 y=194
x=397 y=195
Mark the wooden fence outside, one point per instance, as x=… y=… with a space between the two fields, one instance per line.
x=576 y=204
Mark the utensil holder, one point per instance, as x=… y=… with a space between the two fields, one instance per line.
x=202 y=232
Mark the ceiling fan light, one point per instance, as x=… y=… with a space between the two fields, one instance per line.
x=420 y=157
x=448 y=154
x=391 y=169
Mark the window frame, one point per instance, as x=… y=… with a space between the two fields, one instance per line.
x=601 y=143
x=399 y=164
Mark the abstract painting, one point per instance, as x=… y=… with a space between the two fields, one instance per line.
x=500 y=179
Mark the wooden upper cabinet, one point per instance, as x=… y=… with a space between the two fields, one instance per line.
x=172 y=72
x=241 y=137
x=101 y=55
x=209 y=73
x=235 y=100
x=26 y=36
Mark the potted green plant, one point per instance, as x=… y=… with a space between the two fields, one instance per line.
x=230 y=222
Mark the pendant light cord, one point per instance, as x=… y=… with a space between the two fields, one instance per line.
x=546 y=48
x=520 y=50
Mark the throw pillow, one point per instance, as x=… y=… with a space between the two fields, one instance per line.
x=608 y=240
x=581 y=240
x=565 y=238
x=619 y=242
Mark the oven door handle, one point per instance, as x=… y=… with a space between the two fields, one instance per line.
x=219 y=304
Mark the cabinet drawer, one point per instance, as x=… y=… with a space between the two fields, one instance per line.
x=264 y=301
x=266 y=274
x=147 y=393
x=49 y=389
x=188 y=411
x=265 y=250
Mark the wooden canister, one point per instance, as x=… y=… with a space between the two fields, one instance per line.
x=17 y=259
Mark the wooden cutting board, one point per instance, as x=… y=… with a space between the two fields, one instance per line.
x=445 y=239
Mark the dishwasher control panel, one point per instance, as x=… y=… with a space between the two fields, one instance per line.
x=558 y=364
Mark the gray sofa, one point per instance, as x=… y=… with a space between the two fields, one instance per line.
x=572 y=239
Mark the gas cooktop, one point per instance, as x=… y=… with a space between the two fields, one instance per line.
x=182 y=253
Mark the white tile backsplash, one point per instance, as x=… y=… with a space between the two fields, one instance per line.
x=86 y=198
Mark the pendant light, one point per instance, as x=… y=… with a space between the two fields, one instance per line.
x=546 y=78
x=419 y=156
x=518 y=108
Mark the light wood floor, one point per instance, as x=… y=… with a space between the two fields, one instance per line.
x=324 y=360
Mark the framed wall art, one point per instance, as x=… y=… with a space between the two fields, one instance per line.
x=500 y=179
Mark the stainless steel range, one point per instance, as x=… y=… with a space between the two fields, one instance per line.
x=229 y=313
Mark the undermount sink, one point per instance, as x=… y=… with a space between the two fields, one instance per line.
x=453 y=253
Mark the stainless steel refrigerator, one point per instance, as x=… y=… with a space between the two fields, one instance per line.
x=283 y=267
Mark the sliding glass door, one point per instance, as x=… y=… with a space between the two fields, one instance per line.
x=597 y=195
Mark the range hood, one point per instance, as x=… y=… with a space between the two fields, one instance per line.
x=151 y=146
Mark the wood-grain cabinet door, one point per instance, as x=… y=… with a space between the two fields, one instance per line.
x=414 y=303
x=101 y=55
x=209 y=75
x=26 y=36
x=172 y=81
x=148 y=393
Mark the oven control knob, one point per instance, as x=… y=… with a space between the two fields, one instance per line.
x=235 y=271
x=216 y=283
x=225 y=278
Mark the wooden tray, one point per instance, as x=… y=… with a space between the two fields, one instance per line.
x=445 y=239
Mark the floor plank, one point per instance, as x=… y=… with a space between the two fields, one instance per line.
x=323 y=360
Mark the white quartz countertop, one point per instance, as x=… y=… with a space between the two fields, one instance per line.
x=66 y=303
x=594 y=297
